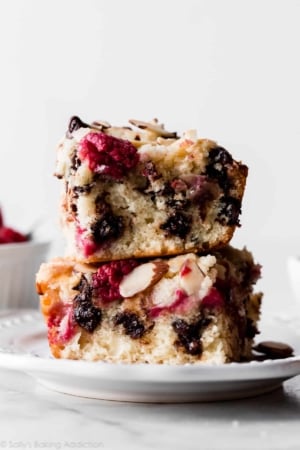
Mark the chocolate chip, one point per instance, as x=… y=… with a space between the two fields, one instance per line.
x=74 y=124
x=106 y=228
x=74 y=208
x=177 y=224
x=131 y=323
x=230 y=211
x=189 y=335
x=274 y=349
x=85 y=189
x=219 y=155
x=178 y=204
x=219 y=160
x=85 y=313
x=166 y=190
x=75 y=162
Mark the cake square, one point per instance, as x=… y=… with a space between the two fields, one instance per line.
x=173 y=310
x=141 y=192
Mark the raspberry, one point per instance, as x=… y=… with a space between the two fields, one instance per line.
x=108 y=155
x=107 y=279
x=86 y=244
x=61 y=326
x=9 y=235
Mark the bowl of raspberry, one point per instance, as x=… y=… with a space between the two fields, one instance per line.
x=20 y=258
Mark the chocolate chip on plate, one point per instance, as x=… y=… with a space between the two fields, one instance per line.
x=274 y=349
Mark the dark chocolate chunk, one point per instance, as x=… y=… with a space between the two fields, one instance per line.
x=131 y=323
x=74 y=208
x=189 y=335
x=178 y=203
x=219 y=155
x=219 y=160
x=75 y=162
x=177 y=224
x=274 y=349
x=230 y=211
x=85 y=189
x=107 y=227
x=85 y=313
x=74 y=124
x=166 y=190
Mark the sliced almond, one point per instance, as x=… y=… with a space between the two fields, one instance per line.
x=155 y=127
x=142 y=277
x=100 y=124
x=191 y=277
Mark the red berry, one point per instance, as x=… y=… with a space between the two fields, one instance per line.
x=86 y=244
x=9 y=235
x=108 y=155
x=107 y=279
x=61 y=325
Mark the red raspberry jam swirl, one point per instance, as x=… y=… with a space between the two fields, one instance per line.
x=108 y=155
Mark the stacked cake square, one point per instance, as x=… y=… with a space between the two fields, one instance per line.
x=149 y=275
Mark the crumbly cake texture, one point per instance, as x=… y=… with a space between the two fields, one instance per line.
x=141 y=191
x=176 y=310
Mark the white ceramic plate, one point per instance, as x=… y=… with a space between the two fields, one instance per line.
x=23 y=346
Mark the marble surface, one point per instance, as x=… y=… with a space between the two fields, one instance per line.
x=34 y=417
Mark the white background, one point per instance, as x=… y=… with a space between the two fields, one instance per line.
x=229 y=68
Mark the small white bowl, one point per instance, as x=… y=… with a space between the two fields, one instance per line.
x=19 y=263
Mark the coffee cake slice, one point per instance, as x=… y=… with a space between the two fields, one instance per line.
x=184 y=309
x=140 y=191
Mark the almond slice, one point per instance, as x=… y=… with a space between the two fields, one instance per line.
x=191 y=277
x=155 y=127
x=142 y=277
x=100 y=124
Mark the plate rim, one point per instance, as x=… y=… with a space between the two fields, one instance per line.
x=156 y=373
